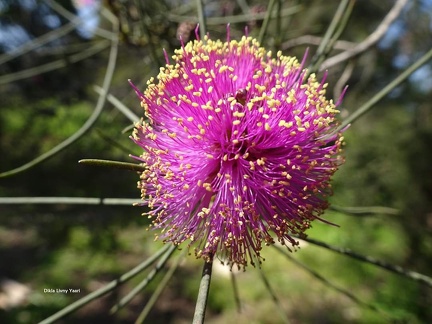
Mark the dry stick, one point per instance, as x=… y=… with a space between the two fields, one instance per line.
x=106 y=289
x=316 y=40
x=234 y=19
x=203 y=293
x=370 y=40
x=37 y=42
x=182 y=9
x=390 y=267
x=343 y=79
x=143 y=23
x=342 y=22
x=55 y=65
x=77 y=21
x=328 y=35
x=65 y=49
x=287 y=22
x=92 y=119
x=339 y=30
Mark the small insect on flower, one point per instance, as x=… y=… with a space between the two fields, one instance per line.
x=239 y=148
x=241 y=96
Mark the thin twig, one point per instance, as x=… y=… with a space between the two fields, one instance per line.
x=234 y=19
x=390 y=267
x=278 y=36
x=363 y=211
x=387 y=89
x=154 y=297
x=203 y=293
x=112 y=141
x=321 y=51
x=119 y=105
x=326 y=282
x=106 y=289
x=370 y=40
x=55 y=65
x=201 y=19
x=266 y=21
x=77 y=21
x=343 y=23
x=343 y=79
x=273 y=295
x=144 y=26
x=92 y=119
x=316 y=40
x=68 y=201
x=112 y=164
x=243 y=6
x=138 y=288
x=37 y=42
x=128 y=129
x=235 y=291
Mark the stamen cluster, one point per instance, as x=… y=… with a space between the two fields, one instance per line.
x=239 y=148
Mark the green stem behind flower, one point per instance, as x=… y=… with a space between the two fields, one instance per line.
x=386 y=90
x=203 y=293
x=214 y=21
x=273 y=295
x=324 y=48
x=159 y=266
x=327 y=282
x=154 y=297
x=201 y=19
x=342 y=24
x=69 y=201
x=128 y=113
x=266 y=22
x=390 y=267
x=113 y=164
x=92 y=119
x=235 y=291
x=106 y=289
x=365 y=211
x=371 y=40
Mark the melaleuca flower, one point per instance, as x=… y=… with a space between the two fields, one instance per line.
x=239 y=149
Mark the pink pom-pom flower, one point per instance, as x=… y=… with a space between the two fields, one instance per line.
x=239 y=148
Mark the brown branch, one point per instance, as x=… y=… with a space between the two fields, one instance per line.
x=370 y=40
x=316 y=40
